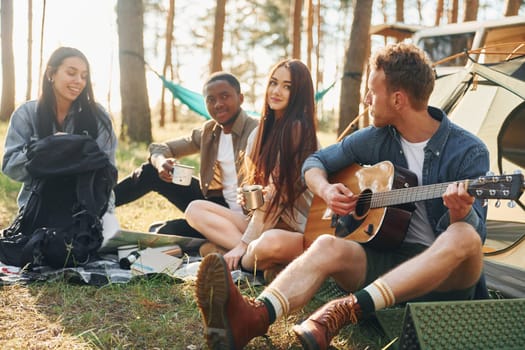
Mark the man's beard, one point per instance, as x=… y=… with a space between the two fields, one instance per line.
x=232 y=119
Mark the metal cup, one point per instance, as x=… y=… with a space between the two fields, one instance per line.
x=253 y=196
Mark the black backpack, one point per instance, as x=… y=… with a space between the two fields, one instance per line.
x=60 y=225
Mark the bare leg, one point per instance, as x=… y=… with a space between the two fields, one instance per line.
x=230 y=321
x=453 y=262
x=273 y=247
x=218 y=224
x=328 y=256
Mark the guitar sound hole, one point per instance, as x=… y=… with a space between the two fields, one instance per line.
x=363 y=204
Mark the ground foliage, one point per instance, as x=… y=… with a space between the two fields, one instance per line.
x=149 y=313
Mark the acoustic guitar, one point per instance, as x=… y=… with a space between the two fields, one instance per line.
x=386 y=202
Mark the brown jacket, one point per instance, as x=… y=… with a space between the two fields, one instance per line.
x=206 y=141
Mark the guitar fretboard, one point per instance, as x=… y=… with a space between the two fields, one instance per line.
x=407 y=195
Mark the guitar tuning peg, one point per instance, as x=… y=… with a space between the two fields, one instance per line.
x=511 y=204
x=485 y=203
x=497 y=204
x=517 y=171
x=490 y=173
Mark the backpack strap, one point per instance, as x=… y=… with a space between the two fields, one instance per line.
x=28 y=256
x=85 y=193
x=33 y=205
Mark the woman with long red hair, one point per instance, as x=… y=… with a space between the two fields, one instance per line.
x=272 y=235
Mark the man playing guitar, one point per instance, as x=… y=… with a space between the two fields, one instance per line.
x=439 y=259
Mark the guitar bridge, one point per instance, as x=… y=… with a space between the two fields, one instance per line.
x=346 y=224
x=370 y=229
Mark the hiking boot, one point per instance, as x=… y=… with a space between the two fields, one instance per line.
x=230 y=320
x=316 y=332
x=208 y=248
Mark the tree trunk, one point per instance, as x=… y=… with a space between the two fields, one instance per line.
x=453 y=12
x=354 y=63
x=296 y=29
x=512 y=7
x=7 y=105
x=400 y=11
x=439 y=13
x=419 y=8
x=29 y=49
x=136 y=115
x=318 y=75
x=41 y=53
x=309 y=33
x=167 y=61
x=218 y=36
x=470 y=12
x=384 y=12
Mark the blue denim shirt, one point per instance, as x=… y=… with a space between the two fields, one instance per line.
x=451 y=154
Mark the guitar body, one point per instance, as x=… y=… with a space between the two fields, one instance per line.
x=382 y=228
x=386 y=202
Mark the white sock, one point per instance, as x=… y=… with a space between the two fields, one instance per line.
x=279 y=302
x=381 y=294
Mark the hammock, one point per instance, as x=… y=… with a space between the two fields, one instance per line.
x=192 y=99
x=195 y=101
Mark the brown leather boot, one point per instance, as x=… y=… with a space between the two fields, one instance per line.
x=317 y=331
x=230 y=320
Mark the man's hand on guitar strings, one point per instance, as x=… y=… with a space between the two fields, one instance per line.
x=339 y=198
x=458 y=201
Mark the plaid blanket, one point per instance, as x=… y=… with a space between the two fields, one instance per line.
x=101 y=272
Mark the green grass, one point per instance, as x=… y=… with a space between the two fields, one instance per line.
x=8 y=193
x=155 y=313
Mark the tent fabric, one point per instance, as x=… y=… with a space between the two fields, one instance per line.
x=514 y=67
x=510 y=74
x=505 y=279
x=489 y=101
x=511 y=143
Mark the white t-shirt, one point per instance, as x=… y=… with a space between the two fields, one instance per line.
x=419 y=230
x=225 y=158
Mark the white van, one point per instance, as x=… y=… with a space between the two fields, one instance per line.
x=451 y=39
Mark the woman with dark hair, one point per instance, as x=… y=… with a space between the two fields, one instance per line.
x=272 y=235
x=66 y=105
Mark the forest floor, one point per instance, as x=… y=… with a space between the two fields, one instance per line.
x=156 y=313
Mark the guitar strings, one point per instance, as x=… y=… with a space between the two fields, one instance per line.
x=404 y=195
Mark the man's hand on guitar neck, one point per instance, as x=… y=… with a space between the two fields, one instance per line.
x=458 y=201
x=336 y=196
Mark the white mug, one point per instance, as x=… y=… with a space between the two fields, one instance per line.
x=182 y=174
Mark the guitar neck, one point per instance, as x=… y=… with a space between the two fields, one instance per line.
x=407 y=195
